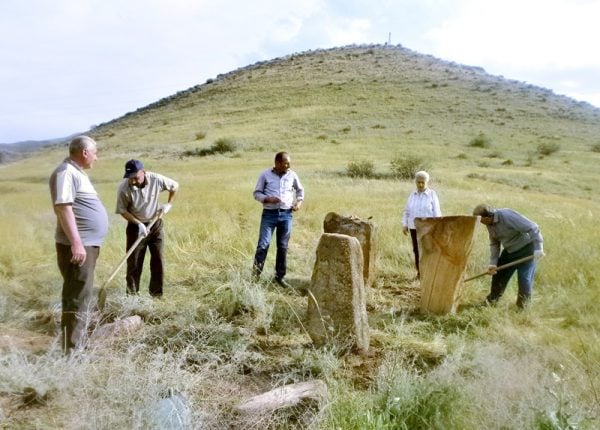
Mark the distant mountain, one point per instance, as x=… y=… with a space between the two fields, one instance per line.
x=10 y=152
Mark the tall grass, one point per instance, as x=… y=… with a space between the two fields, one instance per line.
x=219 y=338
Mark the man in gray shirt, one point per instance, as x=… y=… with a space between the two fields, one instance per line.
x=137 y=202
x=518 y=237
x=82 y=223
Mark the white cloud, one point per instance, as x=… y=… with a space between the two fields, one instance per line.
x=517 y=34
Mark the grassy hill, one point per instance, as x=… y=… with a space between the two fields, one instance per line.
x=219 y=338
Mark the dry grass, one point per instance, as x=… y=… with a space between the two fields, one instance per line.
x=218 y=338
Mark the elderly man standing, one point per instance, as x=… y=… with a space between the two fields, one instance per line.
x=275 y=189
x=519 y=238
x=137 y=202
x=82 y=223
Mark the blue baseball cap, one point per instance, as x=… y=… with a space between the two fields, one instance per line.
x=132 y=167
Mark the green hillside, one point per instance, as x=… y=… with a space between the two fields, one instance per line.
x=219 y=338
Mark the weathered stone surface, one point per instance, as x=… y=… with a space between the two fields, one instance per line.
x=445 y=245
x=336 y=299
x=123 y=327
x=285 y=396
x=364 y=231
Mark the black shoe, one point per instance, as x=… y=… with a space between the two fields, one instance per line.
x=523 y=303
x=282 y=282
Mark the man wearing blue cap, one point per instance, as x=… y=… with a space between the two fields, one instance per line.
x=137 y=202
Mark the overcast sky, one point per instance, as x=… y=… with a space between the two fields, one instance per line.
x=66 y=65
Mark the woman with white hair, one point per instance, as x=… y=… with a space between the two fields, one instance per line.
x=421 y=203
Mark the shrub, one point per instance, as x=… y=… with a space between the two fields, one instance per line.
x=221 y=146
x=360 y=169
x=480 y=141
x=596 y=147
x=406 y=167
x=200 y=135
x=548 y=148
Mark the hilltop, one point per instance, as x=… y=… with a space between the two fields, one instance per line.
x=373 y=101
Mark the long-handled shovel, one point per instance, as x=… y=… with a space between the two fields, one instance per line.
x=504 y=266
x=102 y=293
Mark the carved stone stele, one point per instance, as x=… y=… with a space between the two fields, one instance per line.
x=444 y=247
x=336 y=298
x=364 y=231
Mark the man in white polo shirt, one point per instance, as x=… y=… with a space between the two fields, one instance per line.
x=82 y=223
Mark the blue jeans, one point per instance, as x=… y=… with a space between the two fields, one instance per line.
x=525 y=274
x=280 y=219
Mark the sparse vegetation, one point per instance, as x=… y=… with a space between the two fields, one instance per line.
x=221 y=146
x=480 y=141
x=218 y=338
x=405 y=167
x=360 y=169
x=548 y=148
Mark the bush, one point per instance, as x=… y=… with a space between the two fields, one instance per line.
x=406 y=167
x=596 y=147
x=360 y=169
x=221 y=146
x=548 y=148
x=480 y=141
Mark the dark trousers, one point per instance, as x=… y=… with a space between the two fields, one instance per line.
x=273 y=219
x=415 y=246
x=525 y=273
x=78 y=299
x=135 y=263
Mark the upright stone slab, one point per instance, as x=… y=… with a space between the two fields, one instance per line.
x=444 y=247
x=364 y=231
x=336 y=300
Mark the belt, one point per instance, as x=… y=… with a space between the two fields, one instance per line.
x=277 y=210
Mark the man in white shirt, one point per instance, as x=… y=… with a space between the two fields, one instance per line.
x=82 y=224
x=275 y=189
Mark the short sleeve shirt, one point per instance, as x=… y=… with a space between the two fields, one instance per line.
x=69 y=184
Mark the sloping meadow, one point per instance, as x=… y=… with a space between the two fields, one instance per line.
x=217 y=338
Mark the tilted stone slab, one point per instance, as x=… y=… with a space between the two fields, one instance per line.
x=284 y=397
x=444 y=247
x=364 y=231
x=119 y=328
x=336 y=300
